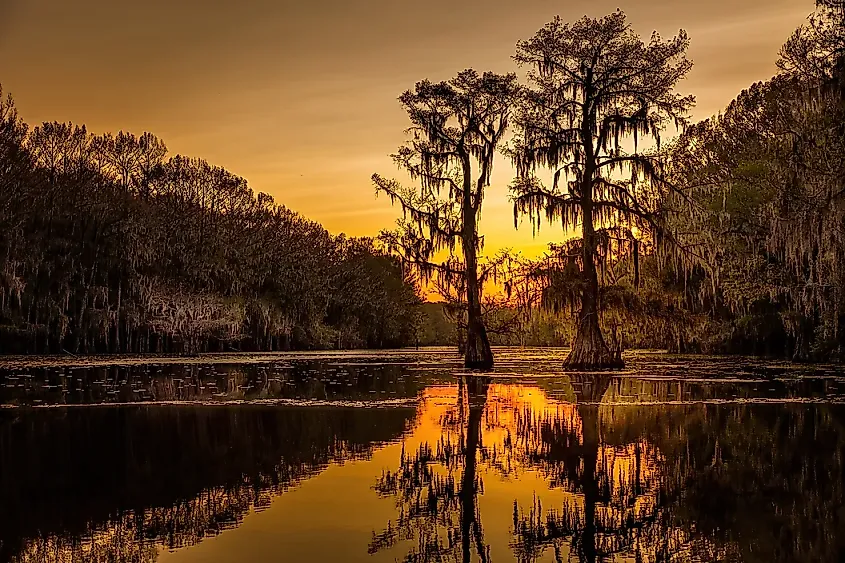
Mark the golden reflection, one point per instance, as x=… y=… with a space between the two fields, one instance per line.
x=130 y=484
x=473 y=433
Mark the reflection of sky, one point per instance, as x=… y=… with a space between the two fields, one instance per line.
x=337 y=511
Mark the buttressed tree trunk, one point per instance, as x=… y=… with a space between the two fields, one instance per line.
x=589 y=350
x=478 y=354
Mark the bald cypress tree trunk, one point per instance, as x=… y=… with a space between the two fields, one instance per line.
x=477 y=354
x=589 y=351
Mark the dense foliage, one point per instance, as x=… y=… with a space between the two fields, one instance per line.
x=109 y=245
x=766 y=211
x=740 y=247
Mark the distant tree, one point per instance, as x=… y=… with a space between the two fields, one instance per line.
x=132 y=161
x=17 y=166
x=593 y=85
x=372 y=297
x=456 y=128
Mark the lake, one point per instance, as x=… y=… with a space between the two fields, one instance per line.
x=401 y=456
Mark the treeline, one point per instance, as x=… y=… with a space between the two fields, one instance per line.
x=109 y=245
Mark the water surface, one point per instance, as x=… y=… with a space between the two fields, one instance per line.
x=400 y=456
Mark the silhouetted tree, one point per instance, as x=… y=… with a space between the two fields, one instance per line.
x=456 y=127
x=593 y=85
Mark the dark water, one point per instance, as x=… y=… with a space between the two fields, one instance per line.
x=396 y=457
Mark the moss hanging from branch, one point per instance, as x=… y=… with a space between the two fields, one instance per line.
x=456 y=128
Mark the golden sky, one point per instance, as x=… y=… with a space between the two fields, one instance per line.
x=300 y=97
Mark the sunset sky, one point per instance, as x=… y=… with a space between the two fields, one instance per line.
x=300 y=97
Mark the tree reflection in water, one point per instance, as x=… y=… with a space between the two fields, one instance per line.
x=615 y=508
x=645 y=483
x=436 y=488
x=120 y=484
x=635 y=474
x=695 y=482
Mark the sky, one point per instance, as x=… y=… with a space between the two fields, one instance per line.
x=299 y=97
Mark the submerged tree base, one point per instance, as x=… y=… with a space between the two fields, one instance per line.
x=590 y=352
x=478 y=354
x=484 y=364
x=481 y=359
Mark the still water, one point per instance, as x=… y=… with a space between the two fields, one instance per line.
x=400 y=456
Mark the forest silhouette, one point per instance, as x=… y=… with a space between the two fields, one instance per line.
x=111 y=246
